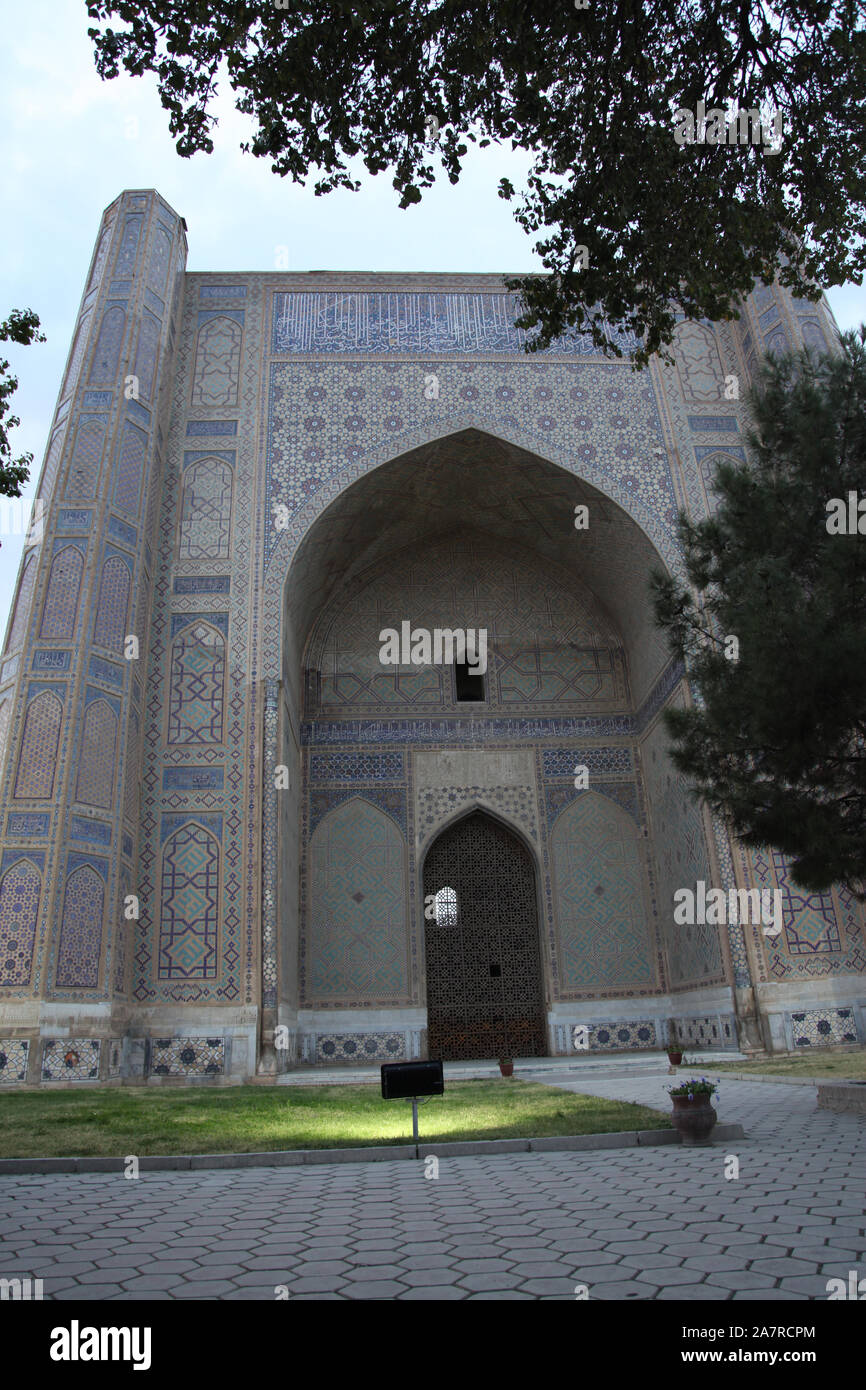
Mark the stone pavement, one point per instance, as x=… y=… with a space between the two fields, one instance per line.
x=628 y=1224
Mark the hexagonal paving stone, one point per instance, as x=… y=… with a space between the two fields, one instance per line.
x=510 y=1295
x=380 y=1272
x=692 y=1293
x=767 y=1296
x=310 y=1284
x=599 y=1274
x=484 y=1266
x=381 y=1288
x=785 y=1265
x=623 y=1288
x=450 y=1293
x=212 y=1272
x=543 y=1269
x=545 y=1288
x=678 y=1275
x=713 y=1263
x=475 y=1251
x=101 y=1276
x=486 y=1283
x=214 y=1289
x=331 y=1269
x=89 y=1292
x=144 y=1282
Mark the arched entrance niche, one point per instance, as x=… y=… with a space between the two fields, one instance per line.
x=482 y=953
x=470 y=531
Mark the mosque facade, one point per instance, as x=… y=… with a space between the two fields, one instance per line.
x=236 y=836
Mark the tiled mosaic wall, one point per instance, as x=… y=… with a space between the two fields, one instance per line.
x=183 y=486
x=71 y=776
x=823 y=1028
x=822 y=935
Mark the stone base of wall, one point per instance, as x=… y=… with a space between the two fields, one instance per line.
x=211 y=1052
x=845 y=1097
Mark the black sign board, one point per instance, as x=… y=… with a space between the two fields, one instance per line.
x=401 y=1080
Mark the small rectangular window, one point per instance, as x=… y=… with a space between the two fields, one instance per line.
x=470 y=686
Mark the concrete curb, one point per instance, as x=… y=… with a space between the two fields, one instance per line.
x=779 y=1080
x=285 y=1158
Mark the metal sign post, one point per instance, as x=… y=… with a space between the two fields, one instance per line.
x=415 y=1103
x=410 y=1081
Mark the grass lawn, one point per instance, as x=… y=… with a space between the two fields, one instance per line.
x=252 y=1119
x=842 y=1066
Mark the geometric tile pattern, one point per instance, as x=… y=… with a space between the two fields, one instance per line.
x=392 y=800
x=37 y=762
x=694 y=952
x=80 y=944
x=189 y=923
x=129 y=469
x=633 y=1036
x=106 y=355
x=113 y=607
x=603 y=928
x=824 y=1027
x=83 y=470
x=437 y=803
x=145 y=355
x=357 y=932
x=360 y=1047
x=187 y=1056
x=485 y=994
x=197 y=686
x=74 y=1059
x=698 y=362
x=709 y=1030
x=13 y=1060
x=215 y=378
x=160 y=256
x=96 y=759
x=823 y=933
x=356 y=767
x=20 y=888
x=5 y=715
x=554 y=649
x=125 y=263
x=206 y=511
x=61 y=601
x=22 y=603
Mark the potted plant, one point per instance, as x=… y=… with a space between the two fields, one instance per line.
x=675 y=1053
x=694 y=1117
x=506 y=1065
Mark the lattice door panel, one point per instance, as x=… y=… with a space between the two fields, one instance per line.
x=484 y=987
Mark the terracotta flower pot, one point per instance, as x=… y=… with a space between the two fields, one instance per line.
x=507 y=1068
x=675 y=1058
x=694 y=1119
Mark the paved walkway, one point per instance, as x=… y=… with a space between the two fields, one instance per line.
x=653 y=1223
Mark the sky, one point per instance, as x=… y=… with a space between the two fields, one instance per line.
x=69 y=143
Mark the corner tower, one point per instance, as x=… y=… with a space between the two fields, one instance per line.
x=71 y=682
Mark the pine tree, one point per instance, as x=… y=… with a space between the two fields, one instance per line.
x=776 y=741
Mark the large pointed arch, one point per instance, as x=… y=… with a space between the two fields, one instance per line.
x=345 y=501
